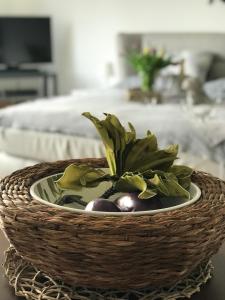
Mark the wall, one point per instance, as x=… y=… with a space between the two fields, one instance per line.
x=85 y=30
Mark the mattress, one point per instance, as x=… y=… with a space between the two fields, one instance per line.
x=22 y=148
x=43 y=146
x=198 y=130
x=10 y=163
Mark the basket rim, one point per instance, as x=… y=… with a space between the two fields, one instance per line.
x=118 y=214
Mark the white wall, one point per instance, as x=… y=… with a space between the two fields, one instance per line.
x=85 y=30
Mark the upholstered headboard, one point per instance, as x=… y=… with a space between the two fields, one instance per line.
x=174 y=43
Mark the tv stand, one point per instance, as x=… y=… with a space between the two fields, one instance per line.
x=13 y=74
x=18 y=69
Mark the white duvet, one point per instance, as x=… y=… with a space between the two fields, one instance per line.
x=200 y=130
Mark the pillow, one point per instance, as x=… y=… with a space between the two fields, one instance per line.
x=131 y=82
x=169 y=86
x=217 y=69
x=215 y=89
x=196 y=64
x=194 y=92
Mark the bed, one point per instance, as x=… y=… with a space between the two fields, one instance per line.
x=53 y=129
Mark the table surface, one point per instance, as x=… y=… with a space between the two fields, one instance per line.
x=213 y=290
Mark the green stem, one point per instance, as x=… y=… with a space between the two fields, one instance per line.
x=147 y=81
x=109 y=192
x=67 y=199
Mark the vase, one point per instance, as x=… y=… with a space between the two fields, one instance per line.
x=147 y=81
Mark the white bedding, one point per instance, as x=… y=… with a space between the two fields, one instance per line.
x=10 y=163
x=200 y=131
x=44 y=146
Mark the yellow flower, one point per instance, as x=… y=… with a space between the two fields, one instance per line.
x=146 y=50
x=161 y=52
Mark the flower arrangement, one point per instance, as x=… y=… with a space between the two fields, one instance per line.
x=147 y=64
x=136 y=166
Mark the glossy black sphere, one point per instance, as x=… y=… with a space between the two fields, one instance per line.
x=130 y=202
x=102 y=205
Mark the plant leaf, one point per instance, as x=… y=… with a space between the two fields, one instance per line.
x=68 y=200
x=77 y=176
x=183 y=174
x=115 y=139
x=157 y=160
x=137 y=164
x=168 y=186
x=106 y=136
x=138 y=150
x=134 y=183
x=130 y=135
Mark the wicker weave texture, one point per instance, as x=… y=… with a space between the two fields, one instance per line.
x=31 y=283
x=112 y=252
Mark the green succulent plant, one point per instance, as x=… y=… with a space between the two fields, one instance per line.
x=135 y=165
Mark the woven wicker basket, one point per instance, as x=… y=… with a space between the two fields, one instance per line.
x=112 y=252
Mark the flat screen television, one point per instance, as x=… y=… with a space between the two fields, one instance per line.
x=25 y=40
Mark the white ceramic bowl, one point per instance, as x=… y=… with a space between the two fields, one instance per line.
x=46 y=191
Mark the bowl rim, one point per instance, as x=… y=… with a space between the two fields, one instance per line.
x=103 y=213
